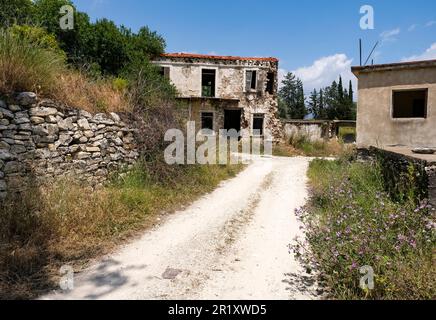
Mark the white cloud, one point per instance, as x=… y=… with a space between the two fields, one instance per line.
x=412 y=27
x=390 y=35
x=428 y=54
x=323 y=72
x=430 y=23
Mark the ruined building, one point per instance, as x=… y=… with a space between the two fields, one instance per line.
x=222 y=92
x=397 y=105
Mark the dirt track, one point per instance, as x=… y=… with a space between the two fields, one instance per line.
x=231 y=244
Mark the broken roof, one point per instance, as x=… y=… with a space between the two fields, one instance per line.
x=214 y=57
x=394 y=66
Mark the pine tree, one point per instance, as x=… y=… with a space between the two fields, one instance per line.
x=291 y=98
x=340 y=89
x=314 y=104
x=322 y=113
x=351 y=93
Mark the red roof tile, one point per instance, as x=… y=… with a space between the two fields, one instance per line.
x=212 y=57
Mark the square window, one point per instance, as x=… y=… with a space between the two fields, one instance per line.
x=207 y=121
x=410 y=104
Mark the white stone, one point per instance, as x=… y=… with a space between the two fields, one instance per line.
x=37 y=120
x=115 y=117
x=83 y=124
x=42 y=112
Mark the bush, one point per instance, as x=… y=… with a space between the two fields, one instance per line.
x=350 y=222
x=39 y=37
x=120 y=84
x=31 y=61
x=26 y=66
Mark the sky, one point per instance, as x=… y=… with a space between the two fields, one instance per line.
x=317 y=39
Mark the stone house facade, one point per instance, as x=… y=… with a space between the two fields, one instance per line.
x=397 y=105
x=224 y=92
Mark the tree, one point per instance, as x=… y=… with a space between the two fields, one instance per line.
x=351 y=92
x=103 y=46
x=291 y=98
x=334 y=102
x=340 y=90
x=15 y=12
x=314 y=104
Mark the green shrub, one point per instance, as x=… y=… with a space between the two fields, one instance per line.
x=351 y=222
x=120 y=84
x=39 y=37
x=24 y=65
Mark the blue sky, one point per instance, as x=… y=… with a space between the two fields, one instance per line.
x=317 y=39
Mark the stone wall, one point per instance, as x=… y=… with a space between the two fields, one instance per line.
x=316 y=130
x=313 y=130
x=406 y=176
x=42 y=139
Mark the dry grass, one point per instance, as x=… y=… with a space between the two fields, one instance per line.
x=77 y=90
x=330 y=148
x=68 y=224
x=24 y=66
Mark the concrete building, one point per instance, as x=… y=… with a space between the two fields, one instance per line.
x=397 y=105
x=223 y=92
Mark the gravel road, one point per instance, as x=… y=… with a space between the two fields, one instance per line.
x=230 y=244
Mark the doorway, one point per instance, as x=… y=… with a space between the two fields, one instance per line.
x=232 y=120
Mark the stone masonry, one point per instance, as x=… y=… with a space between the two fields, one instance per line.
x=42 y=139
x=231 y=88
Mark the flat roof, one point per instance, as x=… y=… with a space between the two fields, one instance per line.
x=215 y=57
x=394 y=66
x=407 y=152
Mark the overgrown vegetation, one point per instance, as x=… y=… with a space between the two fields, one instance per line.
x=98 y=67
x=302 y=145
x=351 y=222
x=71 y=224
x=94 y=66
x=103 y=46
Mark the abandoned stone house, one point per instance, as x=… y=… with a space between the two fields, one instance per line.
x=397 y=105
x=224 y=92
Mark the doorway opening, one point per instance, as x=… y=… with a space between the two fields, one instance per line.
x=232 y=120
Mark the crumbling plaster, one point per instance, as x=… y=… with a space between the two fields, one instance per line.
x=186 y=75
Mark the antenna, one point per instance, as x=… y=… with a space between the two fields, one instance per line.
x=360 y=48
x=372 y=51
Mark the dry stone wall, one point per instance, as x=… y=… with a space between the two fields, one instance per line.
x=42 y=139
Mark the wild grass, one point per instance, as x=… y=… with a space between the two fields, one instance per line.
x=26 y=65
x=302 y=145
x=68 y=224
x=351 y=222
